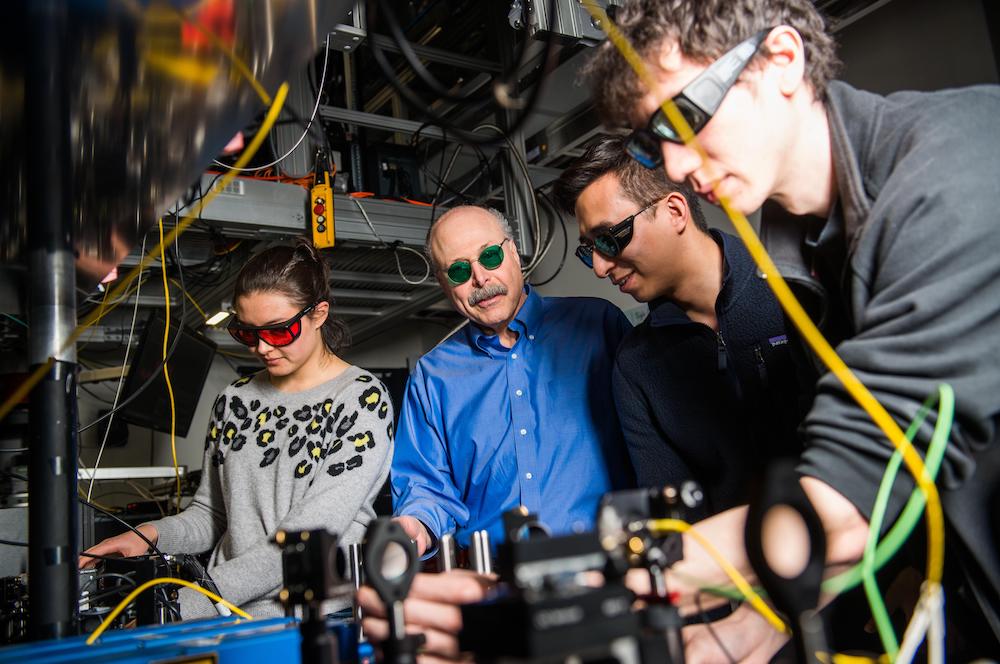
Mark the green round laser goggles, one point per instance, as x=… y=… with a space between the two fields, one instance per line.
x=461 y=270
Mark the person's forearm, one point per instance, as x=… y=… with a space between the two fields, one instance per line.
x=845 y=528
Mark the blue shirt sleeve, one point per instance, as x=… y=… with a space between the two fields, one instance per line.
x=422 y=484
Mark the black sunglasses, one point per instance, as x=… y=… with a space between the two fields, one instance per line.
x=697 y=102
x=611 y=241
x=277 y=335
x=461 y=270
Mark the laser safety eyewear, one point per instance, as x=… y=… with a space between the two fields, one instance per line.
x=697 y=102
x=461 y=270
x=611 y=241
x=277 y=335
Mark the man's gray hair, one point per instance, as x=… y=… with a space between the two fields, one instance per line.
x=502 y=222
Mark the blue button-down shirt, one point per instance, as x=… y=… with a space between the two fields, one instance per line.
x=485 y=428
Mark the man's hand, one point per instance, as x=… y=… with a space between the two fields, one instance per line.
x=127 y=544
x=747 y=637
x=431 y=608
x=416 y=531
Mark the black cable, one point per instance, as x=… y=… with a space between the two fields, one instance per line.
x=418 y=67
x=562 y=224
x=127 y=525
x=711 y=630
x=111 y=592
x=112 y=575
x=463 y=135
x=159 y=369
x=12 y=543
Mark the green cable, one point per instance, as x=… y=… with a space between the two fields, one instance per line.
x=879 y=612
x=16 y=319
x=904 y=526
x=907 y=521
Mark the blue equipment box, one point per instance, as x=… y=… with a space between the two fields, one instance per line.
x=210 y=641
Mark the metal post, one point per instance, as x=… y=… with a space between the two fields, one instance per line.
x=480 y=554
x=52 y=514
x=516 y=192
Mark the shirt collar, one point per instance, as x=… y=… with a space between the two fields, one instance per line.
x=526 y=320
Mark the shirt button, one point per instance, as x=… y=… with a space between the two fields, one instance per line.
x=527 y=476
x=518 y=392
x=524 y=432
x=531 y=337
x=513 y=356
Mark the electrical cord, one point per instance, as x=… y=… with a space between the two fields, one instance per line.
x=109 y=513
x=16 y=319
x=121 y=381
x=166 y=368
x=149 y=584
x=751 y=595
x=711 y=630
x=105 y=575
x=8 y=542
x=152 y=377
x=416 y=64
x=396 y=247
x=305 y=132
x=501 y=90
x=945 y=400
x=562 y=225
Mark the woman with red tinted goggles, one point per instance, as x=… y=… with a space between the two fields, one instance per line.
x=304 y=444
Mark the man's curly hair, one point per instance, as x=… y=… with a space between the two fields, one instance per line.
x=704 y=29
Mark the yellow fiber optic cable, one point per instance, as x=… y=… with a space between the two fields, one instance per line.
x=189 y=297
x=809 y=331
x=166 y=367
x=154 y=582
x=679 y=526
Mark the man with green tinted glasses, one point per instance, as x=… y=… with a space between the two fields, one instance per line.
x=899 y=253
x=500 y=413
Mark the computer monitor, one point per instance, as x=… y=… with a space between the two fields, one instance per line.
x=188 y=367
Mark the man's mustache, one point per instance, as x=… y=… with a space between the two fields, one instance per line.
x=486 y=292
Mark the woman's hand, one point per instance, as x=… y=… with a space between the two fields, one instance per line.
x=126 y=545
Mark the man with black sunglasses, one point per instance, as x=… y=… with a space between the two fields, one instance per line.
x=513 y=409
x=901 y=260
x=715 y=341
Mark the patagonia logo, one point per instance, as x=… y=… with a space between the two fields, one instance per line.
x=779 y=340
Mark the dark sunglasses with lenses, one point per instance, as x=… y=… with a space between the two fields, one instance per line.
x=611 y=241
x=277 y=335
x=697 y=102
x=461 y=270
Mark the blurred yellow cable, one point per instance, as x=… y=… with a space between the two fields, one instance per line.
x=809 y=331
x=166 y=367
x=187 y=220
x=678 y=526
x=154 y=582
x=189 y=297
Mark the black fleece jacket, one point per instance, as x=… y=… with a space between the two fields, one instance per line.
x=713 y=407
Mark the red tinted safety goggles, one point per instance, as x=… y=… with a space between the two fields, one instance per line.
x=277 y=335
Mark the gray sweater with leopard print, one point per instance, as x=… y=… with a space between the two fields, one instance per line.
x=273 y=460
